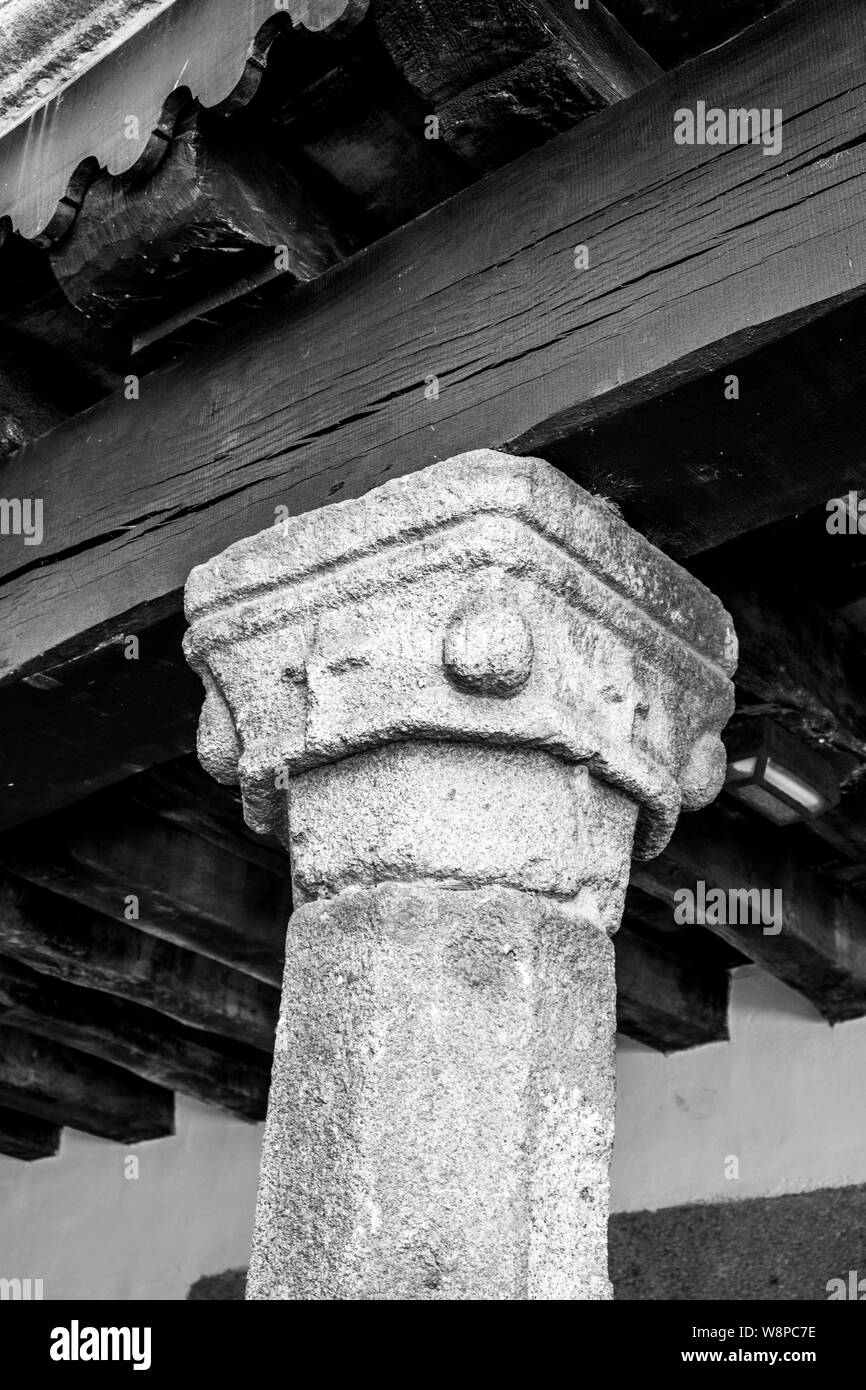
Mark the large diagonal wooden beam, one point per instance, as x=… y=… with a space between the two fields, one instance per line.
x=467 y=328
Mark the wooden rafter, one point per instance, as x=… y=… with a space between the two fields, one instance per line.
x=62 y=1086
x=665 y=1001
x=143 y=1042
x=820 y=948
x=58 y=937
x=121 y=861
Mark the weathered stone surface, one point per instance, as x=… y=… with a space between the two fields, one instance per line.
x=347 y=628
x=460 y=701
x=461 y=815
x=442 y=1100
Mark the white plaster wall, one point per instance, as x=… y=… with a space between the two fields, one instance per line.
x=78 y=1224
x=786 y=1096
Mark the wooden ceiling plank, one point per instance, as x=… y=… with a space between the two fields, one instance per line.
x=57 y=936
x=819 y=947
x=244 y=422
x=138 y=869
x=147 y=1044
x=667 y=1003
x=62 y=1086
x=348 y=360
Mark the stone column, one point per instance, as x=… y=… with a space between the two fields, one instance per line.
x=462 y=702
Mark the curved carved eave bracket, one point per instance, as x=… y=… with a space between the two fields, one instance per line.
x=120 y=115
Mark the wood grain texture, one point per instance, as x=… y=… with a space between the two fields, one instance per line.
x=802 y=670
x=93 y=721
x=821 y=949
x=79 y=362
x=503 y=76
x=211 y=50
x=698 y=255
x=66 y=973
x=59 y=938
x=693 y=467
x=188 y=892
x=348 y=124
x=62 y=1086
x=217 y=205
x=232 y=1077
x=443 y=50
x=181 y=793
x=665 y=1002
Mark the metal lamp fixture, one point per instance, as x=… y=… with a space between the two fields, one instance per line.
x=777 y=775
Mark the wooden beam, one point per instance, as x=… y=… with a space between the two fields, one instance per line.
x=801 y=666
x=503 y=76
x=498 y=77
x=327 y=397
x=359 y=125
x=444 y=50
x=22 y=1136
x=228 y=1075
x=652 y=918
x=181 y=793
x=39 y=384
x=712 y=465
x=79 y=362
x=27 y=406
x=58 y=937
x=674 y=30
x=109 y=717
x=664 y=1001
x=119 y=113
x=797 y=661
x=247 y=418
x=821 y=947
x=178 y=250
x=138 y=869
x=64 y=1087
x=219 y=205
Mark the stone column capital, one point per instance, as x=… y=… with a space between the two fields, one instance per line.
x=485 y=599
x=459 y=701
